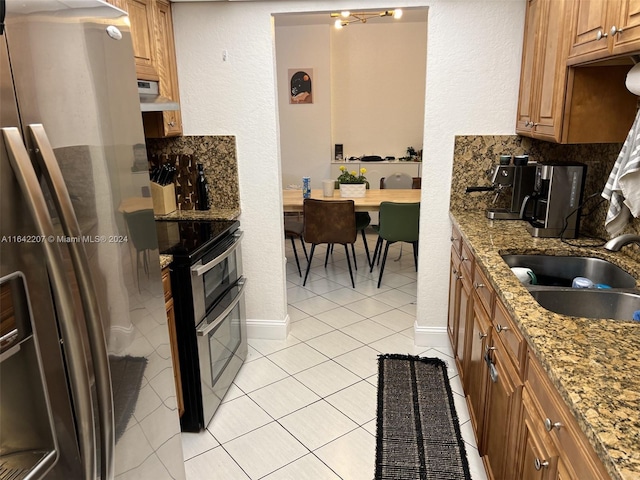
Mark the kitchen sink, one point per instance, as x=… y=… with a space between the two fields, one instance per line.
x=555 y=275
x=559 y=271
x=588 y=303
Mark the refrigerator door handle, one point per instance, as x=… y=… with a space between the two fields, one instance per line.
x=71 y=337
x=97 y=343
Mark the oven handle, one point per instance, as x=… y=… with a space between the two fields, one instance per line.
x=202 y=269
x=203 y=331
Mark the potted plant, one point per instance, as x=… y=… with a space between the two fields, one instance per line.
x=352 y=184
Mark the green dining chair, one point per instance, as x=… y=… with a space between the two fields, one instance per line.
x=399 y=222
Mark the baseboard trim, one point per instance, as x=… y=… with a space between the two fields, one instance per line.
x=430 y=336
x=268 y=329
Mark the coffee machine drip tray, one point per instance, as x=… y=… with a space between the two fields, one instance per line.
x=502 y=214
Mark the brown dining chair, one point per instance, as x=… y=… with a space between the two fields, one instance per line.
x=329 y=222
x=293 y=229
x=363 y=220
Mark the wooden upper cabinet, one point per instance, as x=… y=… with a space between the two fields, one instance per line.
x=143 y=37
x=155 y=58
x=526 y=100
x=589 y=32
x=571 y=104
x=601 y=29
x=627 y=38
x=544 y=72
x=168 y=123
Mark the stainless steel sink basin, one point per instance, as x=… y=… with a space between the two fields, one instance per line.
x=588 y=303
x=559 y=271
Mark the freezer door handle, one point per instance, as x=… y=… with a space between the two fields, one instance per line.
x=53 y=175
x=73 y=344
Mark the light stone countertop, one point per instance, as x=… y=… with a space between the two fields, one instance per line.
x=165 y=261
x=594 y=364
x=211 y=214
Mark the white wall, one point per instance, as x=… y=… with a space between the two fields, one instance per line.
x=368 y=90
x=473 y=66
x=305 y=129
x=378 y=86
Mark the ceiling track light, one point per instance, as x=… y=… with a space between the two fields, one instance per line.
x=345 y=18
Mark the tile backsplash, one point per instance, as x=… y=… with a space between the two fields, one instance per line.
x=474 y=155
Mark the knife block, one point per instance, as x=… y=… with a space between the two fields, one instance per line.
x=164 y=198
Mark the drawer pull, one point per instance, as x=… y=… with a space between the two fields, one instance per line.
x=453 y=239
x=500 y=328
x=540 y=463
x=481 y=335
x=600 y=35
x=549 y=425
x=463 y=259
x=477 y=285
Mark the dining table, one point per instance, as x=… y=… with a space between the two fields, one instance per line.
x=293 y=202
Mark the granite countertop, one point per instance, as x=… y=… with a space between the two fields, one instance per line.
x=165 y=260
x=594 y=364
x=211 y=214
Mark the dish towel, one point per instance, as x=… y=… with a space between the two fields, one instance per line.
x=623 y=186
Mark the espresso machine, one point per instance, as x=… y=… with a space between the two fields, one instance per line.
x=514 y=181
x=553 y=209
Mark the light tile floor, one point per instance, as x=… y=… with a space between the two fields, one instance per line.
x=305 y=407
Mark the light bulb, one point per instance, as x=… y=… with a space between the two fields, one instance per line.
x=345 y=13
x=338 y=23
x=397 y=13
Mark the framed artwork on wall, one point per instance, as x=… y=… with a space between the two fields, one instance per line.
x=300 y=83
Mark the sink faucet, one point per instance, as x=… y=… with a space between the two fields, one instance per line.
x=615 y=244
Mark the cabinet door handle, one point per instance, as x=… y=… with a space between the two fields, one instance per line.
x=477 y=285
x=549 y=425
x=172 y=124
x=463 y=259
x=481 y=335
x=453 y=239
x=538 y=464
x=615 y=31
x=600 y=35
x=527 y=123
x=500 y=328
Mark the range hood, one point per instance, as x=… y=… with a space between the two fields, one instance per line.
x=151 y=100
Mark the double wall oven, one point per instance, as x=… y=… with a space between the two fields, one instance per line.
x=208 y=289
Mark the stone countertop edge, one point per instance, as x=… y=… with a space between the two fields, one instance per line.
x=211 y=214
x=593 y=363
x=165 y=261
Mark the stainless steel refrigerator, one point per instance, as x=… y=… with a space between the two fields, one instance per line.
x=86 y=380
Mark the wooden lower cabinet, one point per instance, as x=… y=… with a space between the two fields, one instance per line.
x=502 y=414
x=538 y=457
x=173 y=341
x=523 y=428
x=476 y=376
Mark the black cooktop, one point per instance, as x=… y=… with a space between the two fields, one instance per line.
x=192 y=238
